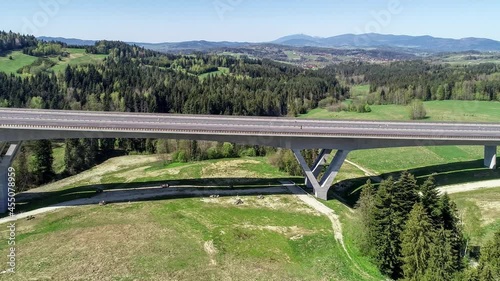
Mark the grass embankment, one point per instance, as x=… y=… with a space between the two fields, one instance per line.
x=153 y=170
x=275 y=238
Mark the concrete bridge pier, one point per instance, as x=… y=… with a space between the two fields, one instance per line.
x=490 y=157
x=5 y=163
x=321 y=187
x=318 y=165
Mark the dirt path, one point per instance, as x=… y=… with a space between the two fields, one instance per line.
x=466 y=187
x=323 y=209
x=367 y=172
x=138 y=194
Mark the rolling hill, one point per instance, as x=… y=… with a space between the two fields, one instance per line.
x=350 y=41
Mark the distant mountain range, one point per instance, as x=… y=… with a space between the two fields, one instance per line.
x=348 y=41
x=374 y=40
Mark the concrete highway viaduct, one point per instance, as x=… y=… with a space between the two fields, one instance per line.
x=18 y=125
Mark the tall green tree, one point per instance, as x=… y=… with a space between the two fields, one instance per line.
x=441 y=264
x=386 y=231
x=430 y=200
x=73 y=156
x=451 y=223
x=43 y=161
x=23 y=182
x=366 y=210
x=90 y=152
x=416 y=243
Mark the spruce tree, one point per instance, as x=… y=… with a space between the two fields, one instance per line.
x=24 y=180
x=441 y=264
x=366 y=209
x=405 y=192
x=74 y=158
x=451 y=223
x=90 y=152
x=386 y=231
x=430 y=201
x=416 y=242
x=43 y=160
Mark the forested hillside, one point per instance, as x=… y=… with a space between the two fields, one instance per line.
x=13 y=41
x=401 y=82
x=132 y=79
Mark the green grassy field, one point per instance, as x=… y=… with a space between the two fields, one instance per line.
x=221 y=71
x=292 y=55
x=76 y=57
x=460 y=59
x=479 y=211
x=467 y=111
x=19 y=60
x=360 y=91
x=275 y=238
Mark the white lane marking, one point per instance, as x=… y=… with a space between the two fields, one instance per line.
x=230 y=118
x=124 y=123
x=11 y=150
x=252 y=133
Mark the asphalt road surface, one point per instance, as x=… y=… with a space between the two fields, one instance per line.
x=66 y=120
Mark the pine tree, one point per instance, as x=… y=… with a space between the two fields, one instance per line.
x=430 y=200
x=451 y=223
x=43 y=161
x=73 y=157
x=24 y=180
x=416 y=242
x=393 y=203
x=90 y=152
x=441 y=262
x=405 y=192
x=386 y=232
x=366 y=209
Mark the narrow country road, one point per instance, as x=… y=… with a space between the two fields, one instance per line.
x=466 y=187
x=138 y=194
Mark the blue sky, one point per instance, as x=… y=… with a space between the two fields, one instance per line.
x=247 y=20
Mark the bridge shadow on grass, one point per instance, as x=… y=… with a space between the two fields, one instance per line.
x=150 y=190
x=348 y=191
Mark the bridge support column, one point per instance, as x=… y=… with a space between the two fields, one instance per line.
x=5 y=163
x=490 y=157
x=321 y=187
x=318 y=165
